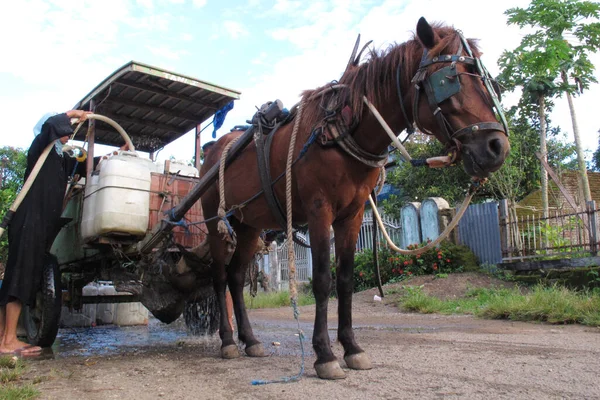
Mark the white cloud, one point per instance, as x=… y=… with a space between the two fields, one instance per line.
x=287 y=6
x=152 y=22
x=260 y=60
x=46 y=47
x=187 y=37
x=235 y=29
x=166 y=52
x=146 y=3
x=199 y=3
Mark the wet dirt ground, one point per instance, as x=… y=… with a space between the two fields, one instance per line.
x=414 y=356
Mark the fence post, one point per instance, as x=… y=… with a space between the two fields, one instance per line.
x=411 y=223
x=593 y=219
x=504 y=226
x=431 y=219
x=275 y=266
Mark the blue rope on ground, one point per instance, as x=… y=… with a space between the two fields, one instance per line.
x=295 y=378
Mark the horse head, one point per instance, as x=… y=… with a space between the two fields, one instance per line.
x=456 y=99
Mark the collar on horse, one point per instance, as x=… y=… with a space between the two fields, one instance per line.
x=337 y=127
x=445 y=83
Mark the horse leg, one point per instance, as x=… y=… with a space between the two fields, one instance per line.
x=346 y=234
x=218 y=248
x=327 y=366
x=247 y=240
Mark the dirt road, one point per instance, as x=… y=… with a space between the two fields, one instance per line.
x=414 y=356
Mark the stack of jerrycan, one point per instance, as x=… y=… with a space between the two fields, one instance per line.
x=123 y=314
x=117 y=197
x=81 y=318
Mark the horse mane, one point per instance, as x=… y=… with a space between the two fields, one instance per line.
x=375 y=78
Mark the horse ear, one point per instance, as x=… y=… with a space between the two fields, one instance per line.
x=425 y=33
x=352 y=61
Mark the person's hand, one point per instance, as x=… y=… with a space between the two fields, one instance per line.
x=79 y=114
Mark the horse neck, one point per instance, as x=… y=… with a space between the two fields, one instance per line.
x=371 y=135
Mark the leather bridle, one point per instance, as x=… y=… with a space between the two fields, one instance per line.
x=445 y=83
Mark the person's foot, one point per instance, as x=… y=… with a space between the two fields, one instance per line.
x=19 y=347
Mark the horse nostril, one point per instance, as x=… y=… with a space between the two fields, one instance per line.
x=496 y=147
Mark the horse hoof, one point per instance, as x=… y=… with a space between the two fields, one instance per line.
x=330 y=370
x=229 y=352
x=358 y=361
x=256 y=350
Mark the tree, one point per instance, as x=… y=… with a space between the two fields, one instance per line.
x=13 y=162
x=546 y=65
x=521 y=171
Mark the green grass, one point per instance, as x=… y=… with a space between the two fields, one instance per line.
x=8 y=362
x=556 y=305
x=10 y=375
x=275 y=300
x=10 y=370
x=13 y=392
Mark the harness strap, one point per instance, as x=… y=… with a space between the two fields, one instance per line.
x=349 y=145
x=480 y=126
x=262 y=155
x=263 y=151
x=449 y=59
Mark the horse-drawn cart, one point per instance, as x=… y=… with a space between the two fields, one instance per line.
x=114 y=228
x=330 y=148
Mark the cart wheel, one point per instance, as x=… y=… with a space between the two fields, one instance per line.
x=202 y=315
x=41 y=321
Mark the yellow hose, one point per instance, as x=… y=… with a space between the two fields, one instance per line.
x=115 y=125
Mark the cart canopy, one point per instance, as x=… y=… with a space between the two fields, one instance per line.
x=154 y=106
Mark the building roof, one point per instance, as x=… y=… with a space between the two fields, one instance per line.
x=571 y=181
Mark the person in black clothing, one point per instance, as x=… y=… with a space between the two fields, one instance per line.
x=34 y=227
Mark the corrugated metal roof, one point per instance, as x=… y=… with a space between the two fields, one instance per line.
x=153 y=105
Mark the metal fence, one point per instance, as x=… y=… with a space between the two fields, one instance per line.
x=365 y=237
x=303 y=260
x=564 y=234
x=275 y=264
x=478 y=229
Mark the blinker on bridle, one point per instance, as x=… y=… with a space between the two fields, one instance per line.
x=445 y=83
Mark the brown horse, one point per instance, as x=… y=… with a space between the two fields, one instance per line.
x=435 y=81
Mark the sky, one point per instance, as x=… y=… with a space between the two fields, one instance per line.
x=56 y=51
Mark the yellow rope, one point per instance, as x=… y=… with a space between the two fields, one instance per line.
x=452 y=225
x=288 y=204
x=222 y=225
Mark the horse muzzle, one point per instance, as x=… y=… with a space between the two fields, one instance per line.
x=484 y=153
